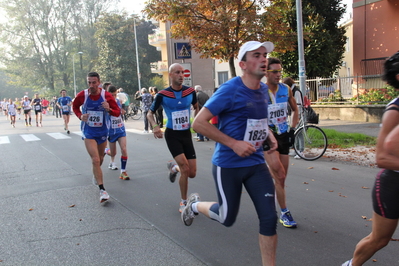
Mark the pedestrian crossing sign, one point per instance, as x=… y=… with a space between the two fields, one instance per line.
x=182 y=50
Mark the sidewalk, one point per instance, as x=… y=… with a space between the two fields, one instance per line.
x=370 y=129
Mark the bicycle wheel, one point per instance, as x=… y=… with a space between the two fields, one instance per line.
x=137 y=114
x=310 y=144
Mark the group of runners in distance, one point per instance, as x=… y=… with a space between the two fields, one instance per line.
x=41 y=106
x=252 y=142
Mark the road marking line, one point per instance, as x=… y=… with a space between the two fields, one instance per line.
x=29 y=137
x=4 y=140
x=58 y=135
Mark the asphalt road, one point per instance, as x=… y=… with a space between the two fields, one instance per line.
x=51 y=215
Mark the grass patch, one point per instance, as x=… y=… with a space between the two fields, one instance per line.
x=338 y=139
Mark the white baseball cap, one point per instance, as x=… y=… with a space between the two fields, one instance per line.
x=253 y=45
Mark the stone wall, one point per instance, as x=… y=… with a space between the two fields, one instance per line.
x=361 y=113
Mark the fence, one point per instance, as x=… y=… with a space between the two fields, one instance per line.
x=320 y=89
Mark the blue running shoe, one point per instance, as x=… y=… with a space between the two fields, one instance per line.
x=287 y=220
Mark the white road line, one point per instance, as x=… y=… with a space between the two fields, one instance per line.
x=29 y=137
x=4 y=140
x=58 y=135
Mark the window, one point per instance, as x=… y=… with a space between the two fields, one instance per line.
x=223 y=77
x=348 y=45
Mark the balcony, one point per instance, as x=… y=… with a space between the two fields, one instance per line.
x=159 y=67
x=158 y=38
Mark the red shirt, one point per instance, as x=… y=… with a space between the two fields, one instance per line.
x=80 y=98
x=45 y=103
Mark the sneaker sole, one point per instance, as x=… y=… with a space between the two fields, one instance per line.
x=286 y=225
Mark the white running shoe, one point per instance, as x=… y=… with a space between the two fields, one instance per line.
x=297 y=156
x=187 y=215
x=113 y=166
x=347 y=263
x=172 y=175
x=103 y=196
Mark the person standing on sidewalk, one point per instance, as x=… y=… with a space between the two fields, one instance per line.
x=117 y=133
x=64 y=103
x=95 y=103
x=146 y=101
x=176 y=101
x=280 y=96
x=385 y=194
x=241 y=105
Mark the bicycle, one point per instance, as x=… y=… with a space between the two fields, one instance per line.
x=134 y=111
x=310 y=141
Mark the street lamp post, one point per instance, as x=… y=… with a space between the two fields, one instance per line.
x=74 y=76
x=137 y=54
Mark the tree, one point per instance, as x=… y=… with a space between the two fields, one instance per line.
x=325 y=45
x=217 y=29
x=117 y=51
x=41 y=36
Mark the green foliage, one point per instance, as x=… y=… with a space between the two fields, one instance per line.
x=41 y=38
x=334 y=97
x=377 y=96
x=157 y=81
x=324 y=41
x=117 y=51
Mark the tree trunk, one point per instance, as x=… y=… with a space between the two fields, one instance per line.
x=232 y=67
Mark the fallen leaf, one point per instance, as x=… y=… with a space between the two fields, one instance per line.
x=312 y=179
x=374 y=260
x=364 y=217
x=363 y=187
x=30 y=209
x=315 y=232
x=334 y=168
x=306 y=183
x=394 y=239
x=73 y=205
x=331 y=191
x=310 y=167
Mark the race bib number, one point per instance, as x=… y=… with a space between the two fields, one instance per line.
x=116 y=122
x=256 y=132
x=278 y=113
x=38 y=107
x=65 y=108
x=181 y=120
x=95 y=119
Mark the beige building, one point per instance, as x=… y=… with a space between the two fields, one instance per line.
x=198 y=71
x=347 y=65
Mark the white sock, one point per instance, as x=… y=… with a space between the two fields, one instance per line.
x=174 y=168
x=194 y=207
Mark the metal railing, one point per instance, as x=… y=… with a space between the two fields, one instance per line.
x=345 y=88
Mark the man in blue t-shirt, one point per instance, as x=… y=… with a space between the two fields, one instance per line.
x=241 y=106
x=177 y=101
